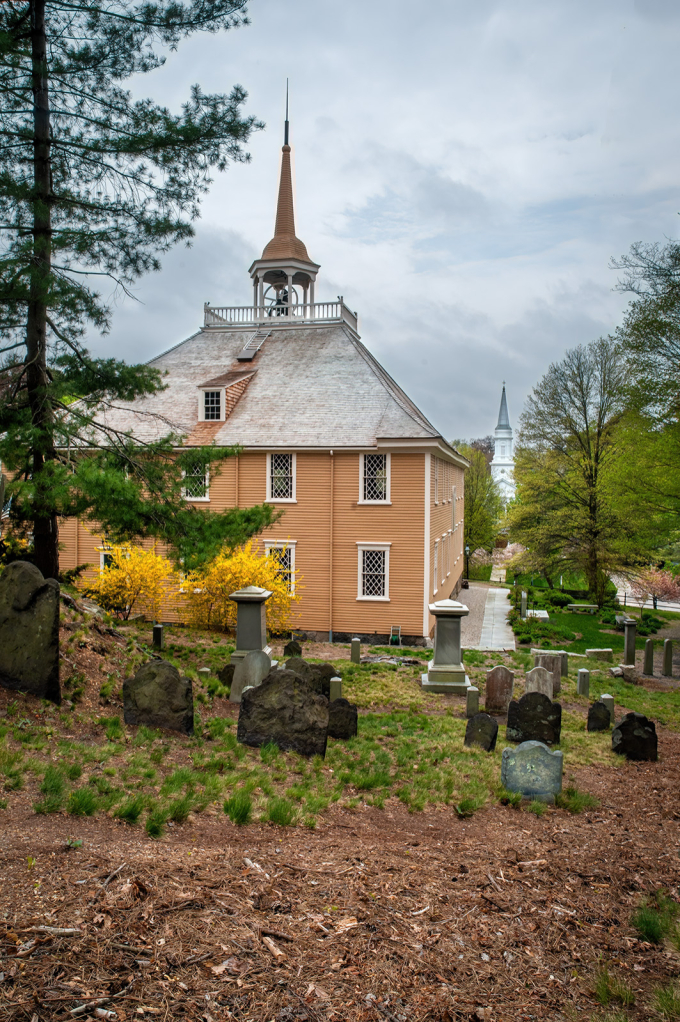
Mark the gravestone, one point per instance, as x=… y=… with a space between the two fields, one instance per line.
x=648 y=668
x=607 y=655
x=445 y=671
x=534 y=718
x=539 y=680
x=254 y=667
x=583 y=683
x=204 y=673
x=609 y=703
x=472 y=701
x=481 y=730
x=667 y=658
x=498 y=691
x=158 y=637
x=226 y=675
x=599 y=717
x=355 y=652
x=553 y=664
x=523 y=606
x=29 y=631
x=533 y=770
x=630 y=629
x=317 y=676
x=292 y=648
x=285 y=710
x=635 y=738
x=629 y=673
x=556 y=652
x=251 y=620
x=343 y=719
x=335 y=689
x=158 y=696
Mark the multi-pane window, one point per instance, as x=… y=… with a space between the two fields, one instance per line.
x=281 y=484
x=196 y=481
x=375 y=477
x=283 y=555
x=436 y=480
x=436 y=564
x=453 y=507
x=212 y=404
x=373 y=572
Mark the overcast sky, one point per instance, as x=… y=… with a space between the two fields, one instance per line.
x=464 y=173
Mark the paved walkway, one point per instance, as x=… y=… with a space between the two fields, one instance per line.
x=498 y=574
x=496 y=632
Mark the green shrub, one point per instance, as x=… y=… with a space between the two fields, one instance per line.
x=130 y=810
x=82 y=802
x=576 y=801
x=558 y=599
x=280 y=811
x=239 y=808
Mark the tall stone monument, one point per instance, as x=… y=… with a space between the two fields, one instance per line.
x=251 y=621
x=445 y=671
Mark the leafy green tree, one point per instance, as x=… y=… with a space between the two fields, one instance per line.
x=483 y=504
x=569 y=511
x=94 y=186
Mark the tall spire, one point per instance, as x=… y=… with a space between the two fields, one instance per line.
x=284 y=244
x=503 y=417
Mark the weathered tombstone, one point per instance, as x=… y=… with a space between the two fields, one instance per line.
x=629 y=673
x=498 y=691
x=445 y=671
x=300 y=667
x=648 y=667
x=599 y=717
x=539 y=680
x=252 y=670
x=286 y=711
x=635 y=738
x=335 y=689
x=523 y=606
x=343 y=719
x=553 y=664
x=158 y=696
x=292 y=648
x=667 y=658
x=534 y=717
x=533 y=770
x=630 y=628
x=226 y=675
x=204 y=673
x=355 y=652
x=564 y=663
x=607 y=655
x=251 y=620
x=482 y=730
x=583 y=683
x=609 y=703
x=158 y=637
x=29 y=631
x=472 y=701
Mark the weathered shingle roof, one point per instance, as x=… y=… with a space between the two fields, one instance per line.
x=315 y=386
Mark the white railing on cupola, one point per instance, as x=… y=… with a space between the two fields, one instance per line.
x=249 y=315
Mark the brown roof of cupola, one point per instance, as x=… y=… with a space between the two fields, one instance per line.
x=284 y=244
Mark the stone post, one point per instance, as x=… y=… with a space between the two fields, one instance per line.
x=445 y=671
x=355 y=654
x=583 y=683
x=158 y=637
x=472 y=702
x=649 y=658
x=335 y=689
x=523 y=606
x=667 y=658
x=629 y=642
x=251 y=621
x=609 y=703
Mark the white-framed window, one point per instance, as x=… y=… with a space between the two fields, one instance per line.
x=435 y=573
x=281 y=477
x=283 y=552
x=374 y=571
x=445 y=557
x=211 y=405
x=436 y=480
x=453 y=508
x=196 y=481
x=374 y=479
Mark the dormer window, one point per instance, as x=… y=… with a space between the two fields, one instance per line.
x=212 y=404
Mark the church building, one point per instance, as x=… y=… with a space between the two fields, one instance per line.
x=371 y=492
x=503 y=459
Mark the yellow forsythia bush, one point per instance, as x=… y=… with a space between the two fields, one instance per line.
x=206 y=591
x=136 y=579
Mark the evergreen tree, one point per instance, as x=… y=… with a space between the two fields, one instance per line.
x=94 y=186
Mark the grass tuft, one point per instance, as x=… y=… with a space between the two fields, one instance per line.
x=537 y=807
x=657 y=919
x=239 y=808
x=113 y=728
x=82 y=802
x=53 y=782
x=610 y=988
x=576 y=801
x=269 y=752
x=178 y=811
x=131 y=810
x=280 y=811
x=155 y=822
x=667 y=1001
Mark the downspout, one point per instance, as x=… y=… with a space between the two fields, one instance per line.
x=330 y=557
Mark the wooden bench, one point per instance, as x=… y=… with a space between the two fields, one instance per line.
x=583 y=608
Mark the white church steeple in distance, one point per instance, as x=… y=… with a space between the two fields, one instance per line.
x=503 y=459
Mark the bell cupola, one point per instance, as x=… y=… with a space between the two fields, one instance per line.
x=284 y=277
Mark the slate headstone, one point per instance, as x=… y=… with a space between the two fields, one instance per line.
x=599 y=718
x=533 y=770
x=158 y=696
x=471 y=701
x=539 y=680
x=648 y=668
x=355 y=652
x=29 y=631
x=523 y=606
x=630 y=629
x=482 y=730
x=285 y=710
x=635 y=738
x=668 y=658
x=292 y=648
x=251 y=670
x=498 y=690
x=556 y=652
x=343 y=719
x=583 y=683
x=534 y=717
x=318 y=676
x=226 y=675
x=158 y=637
x=553 y=664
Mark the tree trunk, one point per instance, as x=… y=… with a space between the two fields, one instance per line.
x=45 y=523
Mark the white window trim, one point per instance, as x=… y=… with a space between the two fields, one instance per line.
x=388 y=473
x=444 y=572
x=436 y=480
x=281 y=544
x=281 y=500
x=435 y=566
x=373 y=546
x=448 y=557
x=199 y=500
x=201 y=403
